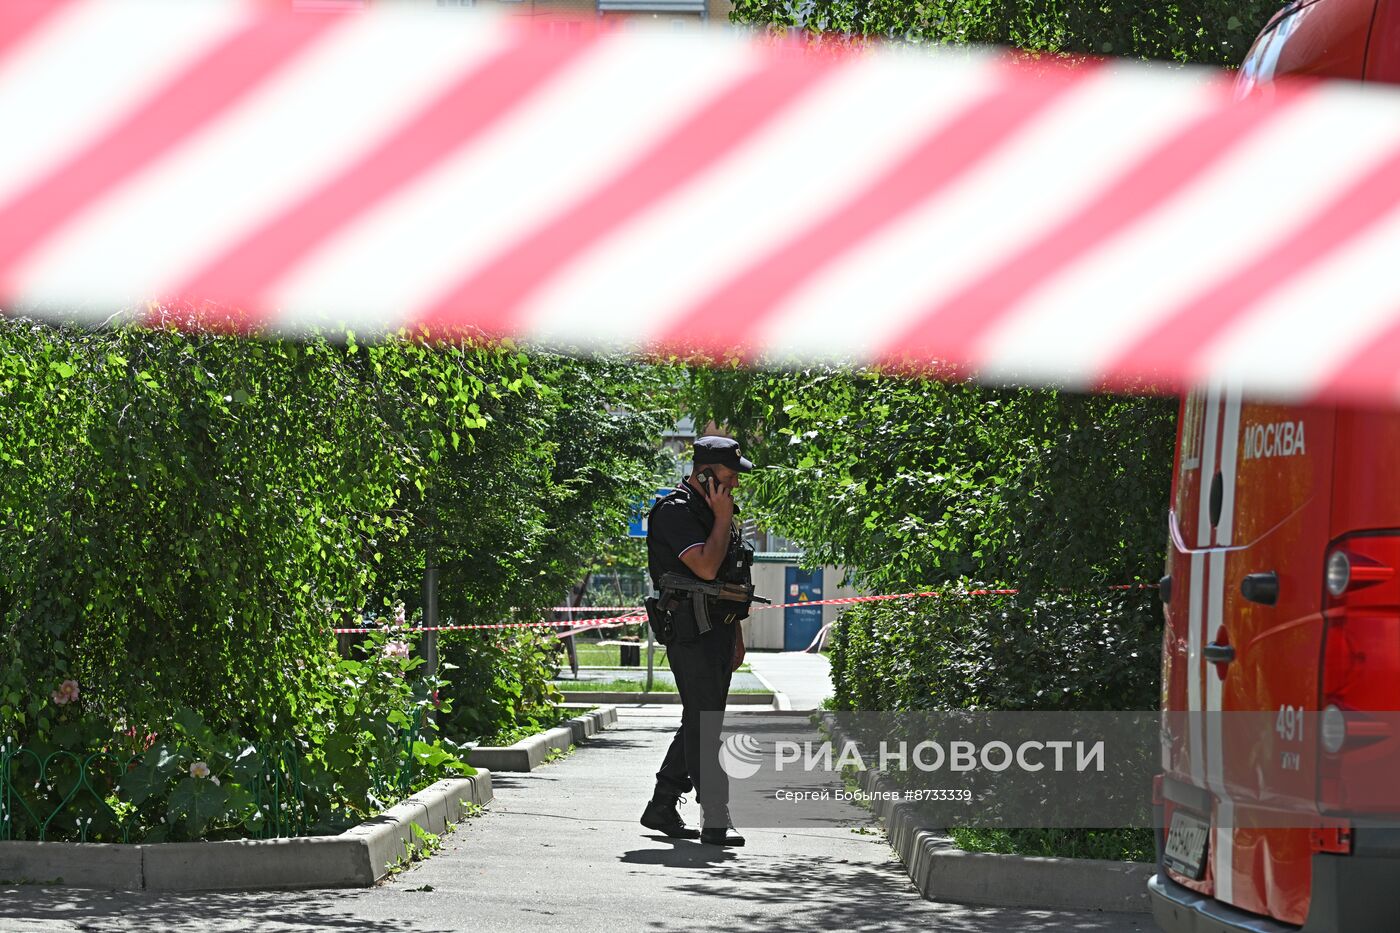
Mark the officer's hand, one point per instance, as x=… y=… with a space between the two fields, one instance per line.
x=721 y=502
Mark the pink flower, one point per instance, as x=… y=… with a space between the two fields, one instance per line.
x=396 y=649
x=66 y=693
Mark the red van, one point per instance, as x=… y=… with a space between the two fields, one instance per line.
x=1282 y=604
x=1282 y=600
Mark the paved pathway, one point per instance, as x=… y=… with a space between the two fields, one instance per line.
x=805 y=679
x=561 y=849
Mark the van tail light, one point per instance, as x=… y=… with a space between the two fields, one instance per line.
x=1358 y=732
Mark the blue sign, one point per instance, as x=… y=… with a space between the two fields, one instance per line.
x=637 y=521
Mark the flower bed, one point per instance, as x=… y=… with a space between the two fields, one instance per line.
x=375 y=744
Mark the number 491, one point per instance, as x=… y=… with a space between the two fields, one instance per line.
x=1289 y=724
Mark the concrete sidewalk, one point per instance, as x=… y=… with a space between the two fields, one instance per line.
x=805 y=679
x=561 y=849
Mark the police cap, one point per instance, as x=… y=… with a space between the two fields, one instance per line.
x=723 y=451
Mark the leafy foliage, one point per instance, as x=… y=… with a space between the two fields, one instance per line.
x=1215 y=32
x=1121 y=845
x=505 y=677
x=1085 y=651
x=956 y=487
x=920 y=482
x=925 y=485
x=185 y=516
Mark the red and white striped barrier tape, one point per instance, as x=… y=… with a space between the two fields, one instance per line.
x=590 y=624
x=822 y=632
x=1088 y=225
x=582 y=624
x=594 y=609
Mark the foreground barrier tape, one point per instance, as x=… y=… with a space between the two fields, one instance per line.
x=590 y=624
x=1090 y=225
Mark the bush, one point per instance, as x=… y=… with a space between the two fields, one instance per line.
x=508 y=675
x=184 y=517
x=1213 y=32
x=367 y=740
x=1094 y=651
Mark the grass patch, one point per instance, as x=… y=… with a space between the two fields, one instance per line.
x=625 y=685
x=611 y=656
x=1119 y=845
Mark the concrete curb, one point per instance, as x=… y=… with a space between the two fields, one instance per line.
x=780 y=699
x=528 y=754
x=358 y=857
x=735 y=699
x=943 y=872
x=86 y=865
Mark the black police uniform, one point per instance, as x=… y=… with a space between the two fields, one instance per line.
x=701 y=662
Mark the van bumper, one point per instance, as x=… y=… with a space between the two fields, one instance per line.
x=1355 y=893
x=1178 y=909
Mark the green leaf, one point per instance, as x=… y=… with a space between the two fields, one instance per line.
x=197 y=802
x=192 y=725
x=151 y=774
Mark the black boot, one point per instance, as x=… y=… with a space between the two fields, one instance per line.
x=720 y=831
x=661 y=815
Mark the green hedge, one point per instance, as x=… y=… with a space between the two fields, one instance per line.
x=1214 y=32
x=1060 y=652
x=185 y=516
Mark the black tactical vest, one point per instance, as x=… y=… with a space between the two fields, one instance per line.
x=738 y=559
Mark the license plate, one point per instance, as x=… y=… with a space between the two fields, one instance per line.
x=1187 y=841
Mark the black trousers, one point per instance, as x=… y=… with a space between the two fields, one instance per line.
x=701 y=668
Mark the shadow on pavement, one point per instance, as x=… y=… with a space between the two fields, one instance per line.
x=609 y=741
x=825 y=893
x=54 y=908
x=684 y=853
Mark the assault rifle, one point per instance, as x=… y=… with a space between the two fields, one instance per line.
x=701 y=591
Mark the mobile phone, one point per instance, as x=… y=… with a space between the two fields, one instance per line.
x=707 y=481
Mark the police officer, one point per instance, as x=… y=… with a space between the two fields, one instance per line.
x=692 y=531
